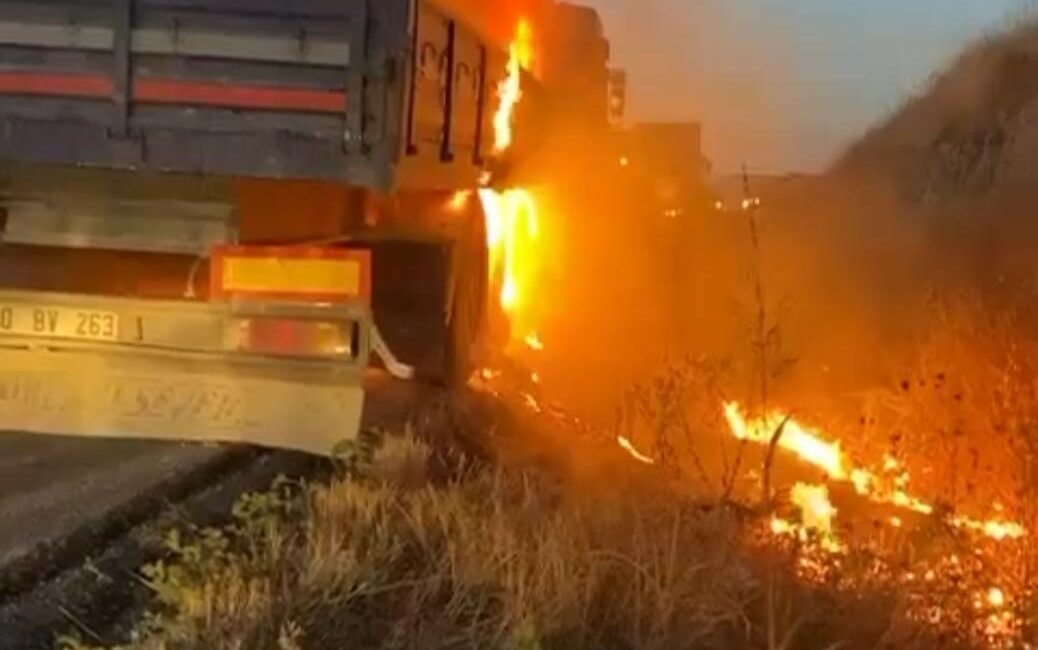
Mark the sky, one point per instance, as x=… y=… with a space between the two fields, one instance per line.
x=784 y=85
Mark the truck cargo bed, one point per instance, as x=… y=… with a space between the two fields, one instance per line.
x=377 y=93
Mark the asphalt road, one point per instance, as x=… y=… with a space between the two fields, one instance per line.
x=52 y=486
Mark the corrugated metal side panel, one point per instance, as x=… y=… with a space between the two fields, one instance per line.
x=383 y=93
x=188 y=85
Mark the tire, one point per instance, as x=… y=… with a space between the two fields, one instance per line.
x=430 y=302
x=466 y=344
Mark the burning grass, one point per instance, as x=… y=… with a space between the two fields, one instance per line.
x=678 y=549
x=395 y=557
x=928 y=493
x=765 y=521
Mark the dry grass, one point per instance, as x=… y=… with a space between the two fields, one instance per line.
x=965 y=418
x=491 y=560
x=392 y=555
x=960 y=413
x=967 y=409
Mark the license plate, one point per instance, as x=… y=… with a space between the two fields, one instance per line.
x=59 y=322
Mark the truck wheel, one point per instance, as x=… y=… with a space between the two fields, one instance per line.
x=466 y=336
x=430 y=302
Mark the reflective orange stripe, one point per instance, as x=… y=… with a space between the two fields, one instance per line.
x=35 y=83
x=170 y=91
x=264 y=274
x=176 y=91
x=318 y=274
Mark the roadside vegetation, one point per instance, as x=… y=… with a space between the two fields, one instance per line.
x=413 y=544
x=385 y=558
x=415 y=547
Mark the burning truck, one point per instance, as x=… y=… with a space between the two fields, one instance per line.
x=209 y=204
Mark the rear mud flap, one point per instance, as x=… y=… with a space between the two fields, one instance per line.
x=154 y=396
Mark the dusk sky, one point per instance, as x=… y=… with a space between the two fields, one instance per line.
x=785 y=84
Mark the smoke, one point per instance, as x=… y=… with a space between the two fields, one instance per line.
x=712 y=61
x=852 y=268
x=783 y=84
x=932 y=206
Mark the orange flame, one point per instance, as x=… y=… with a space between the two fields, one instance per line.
x=510 y=91
x=512 y=216
x=815 y=534
x=534 y=342
x=512 y=235
x=629 y=447
x=807 y=445
x=816 y=518
x=459 y=201
x=813 y=449
x=996 y=597
x=816 y=510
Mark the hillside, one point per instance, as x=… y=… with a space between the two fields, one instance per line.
x=972 y=132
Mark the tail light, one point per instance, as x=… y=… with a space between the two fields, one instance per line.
x=292 y=337
x=305 y=278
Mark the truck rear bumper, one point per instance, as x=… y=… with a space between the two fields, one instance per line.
x=173 y=397
x=103 y=366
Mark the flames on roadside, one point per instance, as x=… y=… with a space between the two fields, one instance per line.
x=887 y=486
x=970 y=592
x=814 y=522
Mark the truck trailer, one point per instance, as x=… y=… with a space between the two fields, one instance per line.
x=207 y=205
